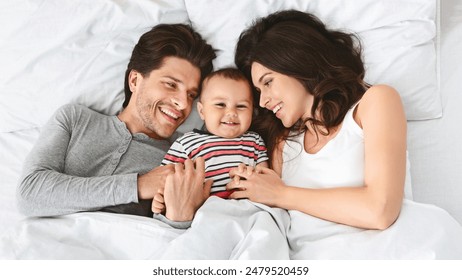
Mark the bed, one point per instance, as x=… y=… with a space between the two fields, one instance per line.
x=56 y=52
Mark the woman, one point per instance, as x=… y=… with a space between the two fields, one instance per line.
x=337 y=145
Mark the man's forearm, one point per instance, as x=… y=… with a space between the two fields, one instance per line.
x=49 y=193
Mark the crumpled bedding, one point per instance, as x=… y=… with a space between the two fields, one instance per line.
x=234 y=229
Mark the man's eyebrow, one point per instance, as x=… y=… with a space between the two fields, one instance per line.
x=194 y=89
x=174 y=79
x=263 y=76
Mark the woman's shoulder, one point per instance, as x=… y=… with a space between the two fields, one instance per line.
x=380 y=92
x=379 y=96
x=378 y=100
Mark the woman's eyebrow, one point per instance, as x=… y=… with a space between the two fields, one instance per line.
x=263 y=76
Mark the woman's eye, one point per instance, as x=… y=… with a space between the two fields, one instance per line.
x=268 y=82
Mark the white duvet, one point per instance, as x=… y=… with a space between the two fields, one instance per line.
x=43 y=41
x=234 y=229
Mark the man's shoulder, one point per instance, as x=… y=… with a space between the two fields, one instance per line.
x=73 y=114
x=73 y=109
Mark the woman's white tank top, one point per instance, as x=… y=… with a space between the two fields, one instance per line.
x=339 y=163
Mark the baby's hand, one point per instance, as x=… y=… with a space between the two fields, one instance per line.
x=158 y=205
x=241 y=168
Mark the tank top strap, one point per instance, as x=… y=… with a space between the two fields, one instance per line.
x=349 y=121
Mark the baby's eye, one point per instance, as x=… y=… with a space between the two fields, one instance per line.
x=242 y=106
x=220 y=105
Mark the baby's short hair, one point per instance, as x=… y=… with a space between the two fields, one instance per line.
x=228 y=72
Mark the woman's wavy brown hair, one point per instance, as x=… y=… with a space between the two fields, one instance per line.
x=327 y=62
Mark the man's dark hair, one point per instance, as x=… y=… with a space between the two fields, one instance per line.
x=169 y=40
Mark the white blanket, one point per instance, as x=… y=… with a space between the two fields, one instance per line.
x=234 y=229
x=222 y=229
x=421 y=232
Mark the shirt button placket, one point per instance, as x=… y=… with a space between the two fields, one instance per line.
x=120 y=152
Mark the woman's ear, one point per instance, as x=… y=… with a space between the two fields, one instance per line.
x=200 y=110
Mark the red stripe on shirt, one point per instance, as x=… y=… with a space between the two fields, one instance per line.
x=217 y=172
x=174 y=158
x=226 y=143
x=230 y=152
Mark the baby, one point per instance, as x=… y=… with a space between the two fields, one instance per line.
x=226 y=107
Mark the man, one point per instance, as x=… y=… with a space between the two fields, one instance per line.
x=86 y=161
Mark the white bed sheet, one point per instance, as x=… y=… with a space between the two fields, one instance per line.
x=434 y=146
x=259 y=232
x=222 y=229
x=234 y=229
x=14 y=147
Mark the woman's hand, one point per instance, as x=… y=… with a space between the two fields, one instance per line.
x=261 y=184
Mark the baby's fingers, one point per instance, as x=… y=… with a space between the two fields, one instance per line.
x=157 y=207
x=159 y=198
x=236 y=180
x=158 y=204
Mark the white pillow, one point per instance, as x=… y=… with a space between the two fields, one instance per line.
x=59 y=51
x=399 y=39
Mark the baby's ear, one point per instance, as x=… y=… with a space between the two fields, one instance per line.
x=200 y=110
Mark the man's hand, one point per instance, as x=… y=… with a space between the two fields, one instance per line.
x=185 y=190
x=150 y=183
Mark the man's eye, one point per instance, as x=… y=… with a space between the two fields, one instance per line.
x=171 y=85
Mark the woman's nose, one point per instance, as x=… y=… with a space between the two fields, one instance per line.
x=264 y=99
